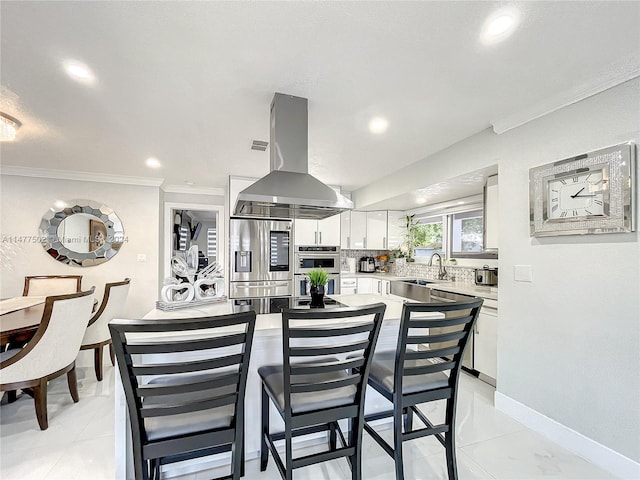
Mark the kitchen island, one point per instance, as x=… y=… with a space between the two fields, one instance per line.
x=267 y=349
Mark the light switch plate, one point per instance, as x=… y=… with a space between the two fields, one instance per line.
x=522 y=273
x=142 y=257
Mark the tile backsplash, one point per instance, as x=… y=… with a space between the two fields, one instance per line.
x=401 y=268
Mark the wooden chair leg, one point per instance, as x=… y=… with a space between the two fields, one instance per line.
x=72 y=380
x=12 y=396
x=450 y=442
x=97 y=360
x=408 y=419
x=40 y=401
x=264 y=449
x=332 y=436
x=112 y=354
x=397 y=441
x=355 y=460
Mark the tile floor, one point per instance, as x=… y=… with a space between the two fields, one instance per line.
x=79 y=443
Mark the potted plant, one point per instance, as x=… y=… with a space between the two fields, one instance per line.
x=410 y=238
x=318 y=279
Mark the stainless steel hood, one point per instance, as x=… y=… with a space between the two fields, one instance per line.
x=289 y=191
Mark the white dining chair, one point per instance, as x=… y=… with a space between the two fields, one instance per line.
x=51 y=352
x=97 y=334
x=44 y=285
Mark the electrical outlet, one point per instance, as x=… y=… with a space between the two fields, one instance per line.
x=142 y=257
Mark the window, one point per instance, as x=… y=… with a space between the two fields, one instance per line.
x=466 y=232
x=212 y=242
x=456 y=233
x=429 y=237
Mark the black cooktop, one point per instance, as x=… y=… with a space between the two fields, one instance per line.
x=276 y=304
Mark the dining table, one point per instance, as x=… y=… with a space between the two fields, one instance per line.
x=20 y=321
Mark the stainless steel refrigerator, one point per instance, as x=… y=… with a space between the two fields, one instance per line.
x=261 y=256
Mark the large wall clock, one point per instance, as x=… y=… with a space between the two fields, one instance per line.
x=590 y=193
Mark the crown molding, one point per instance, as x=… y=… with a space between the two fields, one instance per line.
x=194 y=190
x=622 y=72
x=79 y=176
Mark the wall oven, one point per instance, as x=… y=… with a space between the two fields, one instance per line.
x=307 y=258
x=261 y=257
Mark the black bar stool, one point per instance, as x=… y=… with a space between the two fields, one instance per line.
x=317 y=385
x=185 y=392
x=424 y=367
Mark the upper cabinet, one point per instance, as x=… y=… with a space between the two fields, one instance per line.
x=377 y=230
x=491 y=230
x=317 y=232
x=358 y=230
x=371 y=230
x=396 y=229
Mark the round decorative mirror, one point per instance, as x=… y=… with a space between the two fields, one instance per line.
x=82 y=233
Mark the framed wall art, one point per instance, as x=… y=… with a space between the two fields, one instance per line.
x=588 y=194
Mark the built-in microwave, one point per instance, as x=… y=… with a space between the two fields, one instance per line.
x=307 y=258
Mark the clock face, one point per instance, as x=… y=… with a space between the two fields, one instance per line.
x=576 y=195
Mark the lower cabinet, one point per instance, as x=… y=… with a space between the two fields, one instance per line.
x=485 y=346
x=365 y=285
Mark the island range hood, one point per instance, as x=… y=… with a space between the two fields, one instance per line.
x=289 y=191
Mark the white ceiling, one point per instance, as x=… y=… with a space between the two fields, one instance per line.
x=190 y=83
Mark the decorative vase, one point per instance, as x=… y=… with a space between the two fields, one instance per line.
x=317 y=296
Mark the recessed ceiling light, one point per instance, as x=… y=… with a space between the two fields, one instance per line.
x=378 y=125
x=8 y=127
x=189 y=182
x=421 y=200
x=153 y=162
x=60 y=204
x=79 y=72
x=499 y=26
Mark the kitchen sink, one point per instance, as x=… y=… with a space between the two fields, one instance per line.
x=419 y=281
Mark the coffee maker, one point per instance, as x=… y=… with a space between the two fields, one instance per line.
x=367 y=265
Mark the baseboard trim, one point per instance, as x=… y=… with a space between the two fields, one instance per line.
x=594 y=452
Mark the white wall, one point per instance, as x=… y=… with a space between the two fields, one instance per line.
x=568 y=343
x=26 y=199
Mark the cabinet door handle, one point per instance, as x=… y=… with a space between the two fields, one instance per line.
x=384 y=242
x=389 y=288
x=379 y=288
x=348 y=242
x=320 y=235
x=364 y=242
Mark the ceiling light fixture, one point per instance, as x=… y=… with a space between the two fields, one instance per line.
x=499 y=26
x=8 y=127
x=153 y=162
x=79 y=72
x=378 y=125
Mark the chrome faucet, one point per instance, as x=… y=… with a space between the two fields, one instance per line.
x=442 y=272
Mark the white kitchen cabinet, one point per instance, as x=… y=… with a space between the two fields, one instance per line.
x=317 y=232
x=381 y=287
x=485 y=346
x=348 y=285
x=345 y=229
x=396 y=229
x=376 y=233
x=358 y=234
x=491 y=224
x=365 y=285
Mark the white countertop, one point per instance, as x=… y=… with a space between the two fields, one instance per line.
x=464 y=288
x=271 y=323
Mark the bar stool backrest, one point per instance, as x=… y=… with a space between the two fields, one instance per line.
x=193 y=367
x=313 y=347
x=429 y=334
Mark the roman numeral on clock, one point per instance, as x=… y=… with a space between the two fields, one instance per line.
x=598 y=202
x=563 y=214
